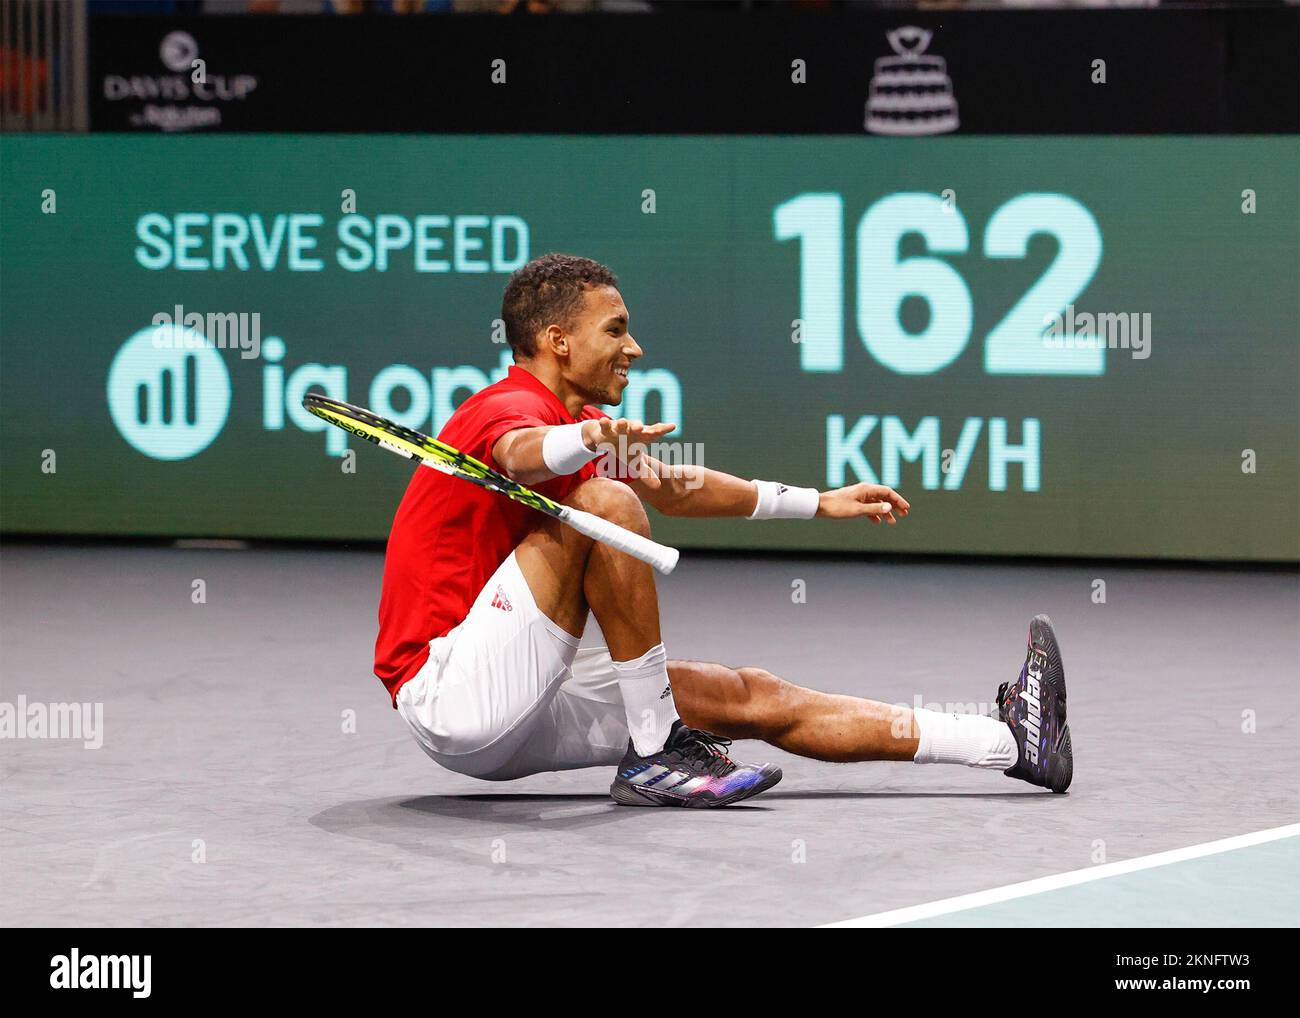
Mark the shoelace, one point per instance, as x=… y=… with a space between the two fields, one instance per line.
x=1002 y=697
x=706 y=748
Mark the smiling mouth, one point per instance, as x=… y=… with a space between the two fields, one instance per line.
x=621 y=372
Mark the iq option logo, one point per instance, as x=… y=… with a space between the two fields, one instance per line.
x=168 y=392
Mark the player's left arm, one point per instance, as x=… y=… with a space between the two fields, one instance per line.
x=689 y=490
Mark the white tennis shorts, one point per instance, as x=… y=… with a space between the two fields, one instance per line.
x=509 y=693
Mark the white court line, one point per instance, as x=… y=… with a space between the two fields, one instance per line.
x=914 y=913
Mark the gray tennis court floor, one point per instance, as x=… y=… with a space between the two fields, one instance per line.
x=252 y=771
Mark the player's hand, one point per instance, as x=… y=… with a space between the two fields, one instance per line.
x=875 y=501
x=627 y=439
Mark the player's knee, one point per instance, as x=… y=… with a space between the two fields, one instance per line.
x=758 y=683
x=611 y=500
x=741 y=703
x=765 y=703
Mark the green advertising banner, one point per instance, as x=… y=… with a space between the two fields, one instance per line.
x=1052 y=346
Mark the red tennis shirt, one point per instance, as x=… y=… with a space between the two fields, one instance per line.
x=449 y=536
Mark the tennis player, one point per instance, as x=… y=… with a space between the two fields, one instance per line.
x=485 y=601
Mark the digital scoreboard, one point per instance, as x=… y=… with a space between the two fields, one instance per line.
x=1058 y=346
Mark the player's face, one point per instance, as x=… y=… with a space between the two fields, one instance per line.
x=601 y=350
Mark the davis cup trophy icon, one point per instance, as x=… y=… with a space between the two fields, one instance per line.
x=911 y=94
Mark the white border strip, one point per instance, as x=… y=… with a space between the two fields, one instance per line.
x=914 y=913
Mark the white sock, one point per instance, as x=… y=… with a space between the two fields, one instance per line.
x=970 y=739
x=648 y=699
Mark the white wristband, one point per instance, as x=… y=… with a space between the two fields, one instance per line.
x=782 y=502
x=563 y=450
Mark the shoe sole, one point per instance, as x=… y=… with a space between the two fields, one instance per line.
x=1060 y=771
x=632 y=795
x=1060 y=767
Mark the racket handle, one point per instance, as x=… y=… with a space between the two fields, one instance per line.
x=660 y=556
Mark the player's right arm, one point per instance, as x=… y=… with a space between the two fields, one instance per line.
x=522 y=454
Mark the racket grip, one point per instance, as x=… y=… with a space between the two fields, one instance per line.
x=660 y=556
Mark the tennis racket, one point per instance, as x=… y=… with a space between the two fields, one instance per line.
x=417 y=446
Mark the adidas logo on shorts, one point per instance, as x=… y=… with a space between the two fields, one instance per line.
x=499 y=600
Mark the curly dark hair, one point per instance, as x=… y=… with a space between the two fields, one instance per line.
x=547 y=291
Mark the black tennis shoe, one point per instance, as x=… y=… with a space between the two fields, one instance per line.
x=1034 y=707
x=692 y=770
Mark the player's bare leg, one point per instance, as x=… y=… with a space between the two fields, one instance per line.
x=751 y=703
x=1027 y=737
